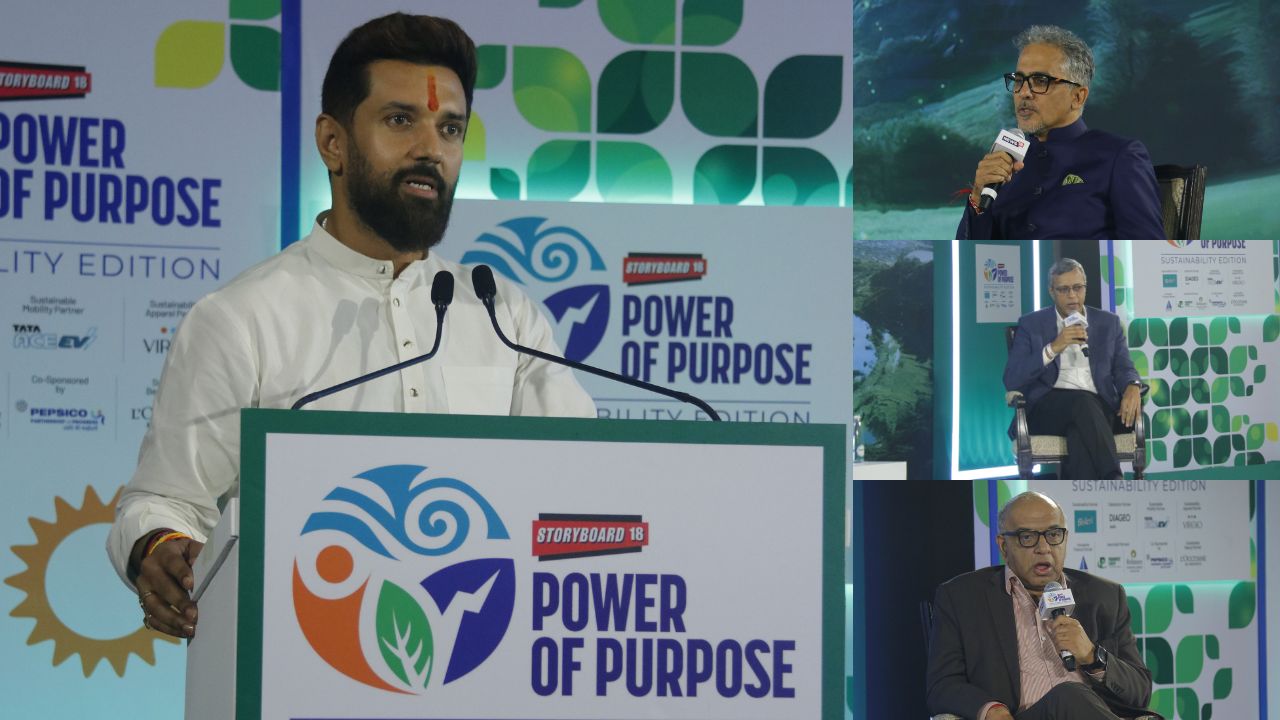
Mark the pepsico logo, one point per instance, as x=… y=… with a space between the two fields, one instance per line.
x=399 y=573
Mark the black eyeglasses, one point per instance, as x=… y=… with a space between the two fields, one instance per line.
x=1040 y=83
x=1031 y=538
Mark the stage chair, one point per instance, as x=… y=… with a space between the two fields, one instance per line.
x=1181 y=199
x=1031 y=449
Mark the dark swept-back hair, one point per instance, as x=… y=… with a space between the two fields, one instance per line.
x=420 y=39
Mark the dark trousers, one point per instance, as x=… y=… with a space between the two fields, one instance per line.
x=1069 y=701
x=1089 y=427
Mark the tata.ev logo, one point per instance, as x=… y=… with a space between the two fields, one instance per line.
x=399 y=572
x=525 y=251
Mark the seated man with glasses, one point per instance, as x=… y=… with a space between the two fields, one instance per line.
x=1078 y=379
x=1074 y=182
x=991 y=657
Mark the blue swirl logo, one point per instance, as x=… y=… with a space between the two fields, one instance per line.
x=368 y=548
x=528 y=249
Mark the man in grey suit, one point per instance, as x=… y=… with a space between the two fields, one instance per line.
x=992 y=658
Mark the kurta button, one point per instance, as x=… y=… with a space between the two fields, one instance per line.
x=382 y=269
x=1044 y=153
x=1031 y=227
x=413 y=392
x=1037 y=191
x=407 y=343
x=396 y=301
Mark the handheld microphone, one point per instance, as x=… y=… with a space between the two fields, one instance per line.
x=486 y=289
x=441 y=296
x=1076 y=318
x=1013 y=142
x=1054 y=601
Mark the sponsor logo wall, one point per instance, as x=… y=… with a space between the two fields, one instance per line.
x=138 y=172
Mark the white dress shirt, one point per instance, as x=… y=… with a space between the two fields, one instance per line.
x=1073 y=370
x=315 y=315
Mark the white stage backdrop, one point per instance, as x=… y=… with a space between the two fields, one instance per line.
x=704 y=299
x=138 y=171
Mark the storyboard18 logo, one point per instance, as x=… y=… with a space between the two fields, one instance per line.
x=561 y=536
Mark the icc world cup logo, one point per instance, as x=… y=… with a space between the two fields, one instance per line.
x=397 y=575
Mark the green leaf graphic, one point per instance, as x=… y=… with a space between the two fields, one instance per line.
x=551 y=89
x=189 y=54
x=404 y=636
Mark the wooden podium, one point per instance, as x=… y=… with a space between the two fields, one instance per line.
x=431 y=566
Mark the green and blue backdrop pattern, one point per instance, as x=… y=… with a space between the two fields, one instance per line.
x=1200 y=640
x=719 y=95
x=717 y=102
x=1211 y=402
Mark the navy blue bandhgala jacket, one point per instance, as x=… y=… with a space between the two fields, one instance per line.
x=1078 y=184
x=1109 y=360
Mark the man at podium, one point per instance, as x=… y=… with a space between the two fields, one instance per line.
x=352 y=297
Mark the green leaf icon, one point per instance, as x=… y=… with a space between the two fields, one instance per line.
x=255 y=56
x=551 y=89
x=404 y=636
x=189 y=54
x=558 y=170
x=802 y=96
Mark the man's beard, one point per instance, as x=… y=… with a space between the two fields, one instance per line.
x=407 y=223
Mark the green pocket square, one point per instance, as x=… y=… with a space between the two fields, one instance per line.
x=1073 y=179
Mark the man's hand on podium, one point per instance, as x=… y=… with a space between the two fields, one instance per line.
x=164 y=588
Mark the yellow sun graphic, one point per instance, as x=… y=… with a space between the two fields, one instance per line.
x=66 y=642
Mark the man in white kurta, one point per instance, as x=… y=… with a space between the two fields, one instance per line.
x=313 y=316
x=353 y=297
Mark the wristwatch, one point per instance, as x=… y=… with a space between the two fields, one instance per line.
x=1099 y=660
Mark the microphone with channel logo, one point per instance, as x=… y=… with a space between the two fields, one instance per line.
x=1012 y=142
x=486 y=289
x=1054 y=601
x=441 y=296
x=1076 y=318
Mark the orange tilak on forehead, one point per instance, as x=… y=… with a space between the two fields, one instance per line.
x=433 y=103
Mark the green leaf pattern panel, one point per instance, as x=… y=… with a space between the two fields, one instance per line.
x=679 y=71
x=1202 y=371
x=1199 y=641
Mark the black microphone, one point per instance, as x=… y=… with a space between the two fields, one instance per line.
x=487 y=290
x=441 y=296
x=1014 y=143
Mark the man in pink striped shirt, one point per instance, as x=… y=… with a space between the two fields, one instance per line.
x=991 y=657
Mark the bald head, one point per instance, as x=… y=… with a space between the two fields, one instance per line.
x=1038 y=500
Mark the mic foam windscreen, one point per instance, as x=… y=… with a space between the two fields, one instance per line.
x=482 y=281
x=442 y=288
